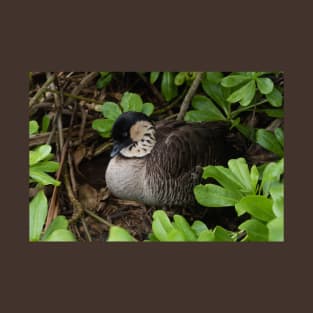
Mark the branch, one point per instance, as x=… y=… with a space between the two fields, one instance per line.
x=189 y=95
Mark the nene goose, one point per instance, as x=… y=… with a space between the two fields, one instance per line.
x=159 y=163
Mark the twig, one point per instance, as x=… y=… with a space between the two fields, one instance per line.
x=171 y=105
x=98 y=218
x=189 y=95
x=86 y=229
x=77 y=207
x=84 y=82
x=41 y=90
x=152 y=87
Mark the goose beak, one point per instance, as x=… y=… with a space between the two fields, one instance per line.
x=117 y=147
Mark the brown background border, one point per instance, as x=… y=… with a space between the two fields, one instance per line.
x=143 y=36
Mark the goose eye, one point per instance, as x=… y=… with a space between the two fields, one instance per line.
x=125 y=134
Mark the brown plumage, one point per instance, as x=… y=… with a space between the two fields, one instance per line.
x=165 y=162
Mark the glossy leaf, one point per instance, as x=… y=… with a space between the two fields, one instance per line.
x=206 y=236
x=244 y=95
x=239 y=168
x=131 y=102
x=175 y=235
x=275 y=98
x=154 y=76
x=45 y=123
x=102 y=125
x=203 y=103
x=119 y=234
x=256 y=230
x=33 y=127
x=214 y=77
x=104 y=80
x=183 y=226
x=168 y=88
x=180 y=78
x=161 y=225
x=258 y=206
x=254 y=177
x=277 y=194
x=46 y=166
x=223 y=176
x=42 y=177
x=147 y=108
x=198 y=227
x=279 y=134
x=215 y=196
x=201 y=116
x=271 y=175
x=223 y=235
x=267 y=140
x=60 y=222
x=234 y=80
x=265 y=85
x=38 y=209
x=278 y=113
x=61 y=235
x=39 y=154
x=111 y=110
x=276 y=229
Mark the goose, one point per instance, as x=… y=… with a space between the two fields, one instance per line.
x=159 y=163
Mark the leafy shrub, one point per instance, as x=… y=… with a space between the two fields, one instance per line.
x=111 y=111
x=104 y=80
x=179 y=230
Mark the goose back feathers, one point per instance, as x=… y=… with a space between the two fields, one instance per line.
x=159 y=164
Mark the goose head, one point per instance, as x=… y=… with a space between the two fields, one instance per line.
x=133 y=135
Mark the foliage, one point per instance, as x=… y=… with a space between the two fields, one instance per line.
x=104 y=80
x=260 y=196
x=165 y=230
x=57 y=230
x=170 y=81
x=111 y=111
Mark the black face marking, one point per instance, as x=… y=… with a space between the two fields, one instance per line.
x=148 y=141
x=148 y=135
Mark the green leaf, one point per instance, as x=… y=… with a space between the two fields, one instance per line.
x=244 y=95
x=267 y=140
x=183 y=226
x=277 y=194
x=198 y=227
x=61 y=235
x=256 y=230
x=102 y=125
x=275 y=98
x=60 y=222
x=46 y=166
x=168 y=88
x=161 y=225
x=215 y=92
x=223 y=176
x=215 y=196
x=276 y=229
x=42 y=178
x=240 y=169
x=175 y=235
x=214 y=77
x=104 y=80
x=131 y=102
x=203 y=103
x=111 y=110
x=279 y=134
x=147 y=108
x=117 y=233
x=201 y=116
x=222 y=235
x=278 y=113
x=180 y=78
x=33 y=127
x=271 y=175
x=206 y=235
x=254 y=177
x=39 y=154
x=234 y=80
x=258 y=206
x=265 y=85
x=45 y=123
x=38 y=209
x=154 y=76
